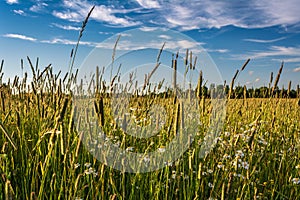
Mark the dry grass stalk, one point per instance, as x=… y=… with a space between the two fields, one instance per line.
x=232 y=83
x=32 y=69
x=199 y=85
x=186 y=57
x=270 y=83
x=277 y=78
x=84 y=23
x=289 y=88
x=245 y=64
x=7 y=136
x=174 y=66
x=113 y=56
x=177 y=117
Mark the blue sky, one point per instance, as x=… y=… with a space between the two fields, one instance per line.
x=267 y=32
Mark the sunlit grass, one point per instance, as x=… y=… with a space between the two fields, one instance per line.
x=256 y=156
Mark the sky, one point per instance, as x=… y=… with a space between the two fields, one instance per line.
x=230 y=32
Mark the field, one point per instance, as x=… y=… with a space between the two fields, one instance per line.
x=42 y=156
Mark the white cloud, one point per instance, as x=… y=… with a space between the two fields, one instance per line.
x=106 y=33
x=256 y=80
x=76 y=10
x=264 y=41
x=148 y=3
x=148 y=29
x=296 y=69
x=73 y=28
x=288 y=54
x=67 y=15
x=216 y=13
x=12 y=1
x=218 y=50
x=250 y=73
x=18 y=36
x=20 y=12
x=68 y=42
x=126 y=35
x=38 y=7
x=288 y=60
x=166 y=37
x=182 y=15
x=279 y=12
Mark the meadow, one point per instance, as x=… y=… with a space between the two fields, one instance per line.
x=256 y=155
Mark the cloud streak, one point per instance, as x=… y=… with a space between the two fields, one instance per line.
x=66 y=27
x=277 y=53
x=149 y=4
x=18 y=36
x=264 y=41
x=38 y=7
x=20 y=12
x=296 y=69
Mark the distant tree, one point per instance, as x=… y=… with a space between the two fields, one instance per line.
x=238 y=92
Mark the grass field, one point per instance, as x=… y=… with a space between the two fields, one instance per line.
x=256 y=156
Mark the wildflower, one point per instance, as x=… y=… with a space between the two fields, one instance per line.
x=87 y=164
x=170 y=164
x=146 y=159
x=117 y=144
x=89 y=171
x=226 y=156
x=296 y=181
x=129 y=148
x=95 y=174
x=227 y=134
x=239 y=175
x=76 y=165
x=161 y=149
x=173 y=176
x=239 y=153
x=220 y=165
x=298 y=166
x=210 y=185
x=245 y=165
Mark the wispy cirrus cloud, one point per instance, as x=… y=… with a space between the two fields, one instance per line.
x=296 y=69
x=264 y=41
x=218 y=50
x=149 y=4
x=19 y=36
x=68 y=42
x=66 y=27
x=288 y=54
x=38 y=7
x=148 y=29
x=216 y=13
x=185 y=15
x=19 y=12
